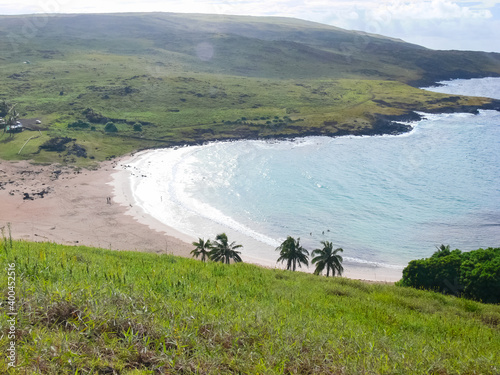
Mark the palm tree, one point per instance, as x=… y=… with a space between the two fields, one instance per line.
x=12 y=115
x=202 y=248
x=327 y=257
x=223 y=251
x=442 y=251
x=291 y=252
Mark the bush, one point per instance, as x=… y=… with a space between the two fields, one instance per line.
x=480 y=275
x=56 y=144
x=80 y=124
x=94 y=116
x=110 y=128
x=137 y=127
x=474 y=274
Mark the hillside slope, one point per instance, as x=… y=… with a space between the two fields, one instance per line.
x=250 y=46
x=184 y=78
x=94 y=311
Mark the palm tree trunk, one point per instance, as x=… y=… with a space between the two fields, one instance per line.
x=327 y=270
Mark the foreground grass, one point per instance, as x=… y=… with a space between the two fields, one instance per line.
x=93 y=311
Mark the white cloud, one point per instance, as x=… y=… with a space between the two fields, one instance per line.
x=435 y=9
x=438 y=24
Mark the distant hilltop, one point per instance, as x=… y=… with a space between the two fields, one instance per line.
x=270 y=47
x=249 y=46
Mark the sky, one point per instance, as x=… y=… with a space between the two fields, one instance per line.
x=436 y=24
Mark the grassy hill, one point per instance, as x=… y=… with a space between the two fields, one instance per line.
x=193 y=78
x=94 y=311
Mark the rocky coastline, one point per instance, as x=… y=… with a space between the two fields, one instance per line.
x=381 y=125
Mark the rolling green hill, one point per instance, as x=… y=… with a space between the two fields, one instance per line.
x=94 y=311
x=192 y=78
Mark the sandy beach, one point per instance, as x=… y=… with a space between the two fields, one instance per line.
x=60 y=204
x=95 y=208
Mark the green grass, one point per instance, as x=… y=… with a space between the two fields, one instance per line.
x=199 y=107
x=87 y=311
x=144 y=67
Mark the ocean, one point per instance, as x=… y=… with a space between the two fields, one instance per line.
x=384 y=199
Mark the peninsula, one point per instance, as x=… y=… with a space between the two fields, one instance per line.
x=104 y=85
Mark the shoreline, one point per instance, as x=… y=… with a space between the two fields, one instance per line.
x=254 y=251
x=123 y=195
x=93 y=207
x=75 y=210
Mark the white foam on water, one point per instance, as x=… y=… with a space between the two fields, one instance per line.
x=484 y=87
x=160 y=181
x=170 y=184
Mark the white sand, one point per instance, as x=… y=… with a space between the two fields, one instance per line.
x=75 y=211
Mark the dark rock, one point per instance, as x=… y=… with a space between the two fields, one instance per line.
x=410 y=116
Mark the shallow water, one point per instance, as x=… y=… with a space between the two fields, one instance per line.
x=385 y=199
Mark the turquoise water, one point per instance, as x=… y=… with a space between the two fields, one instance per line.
x=385 y=199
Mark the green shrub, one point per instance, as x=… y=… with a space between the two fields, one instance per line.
x=137 y=127
x=474 y=274
x=480 y=274
x=110 y=128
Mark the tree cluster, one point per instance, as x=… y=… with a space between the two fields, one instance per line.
x=290 y=250
x=474 y=274
x=294 y=254
x=219 y=250
x=56 y=144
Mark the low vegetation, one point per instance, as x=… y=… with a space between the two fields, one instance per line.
x=86 y=310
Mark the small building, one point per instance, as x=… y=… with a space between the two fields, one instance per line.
x=17 y=128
